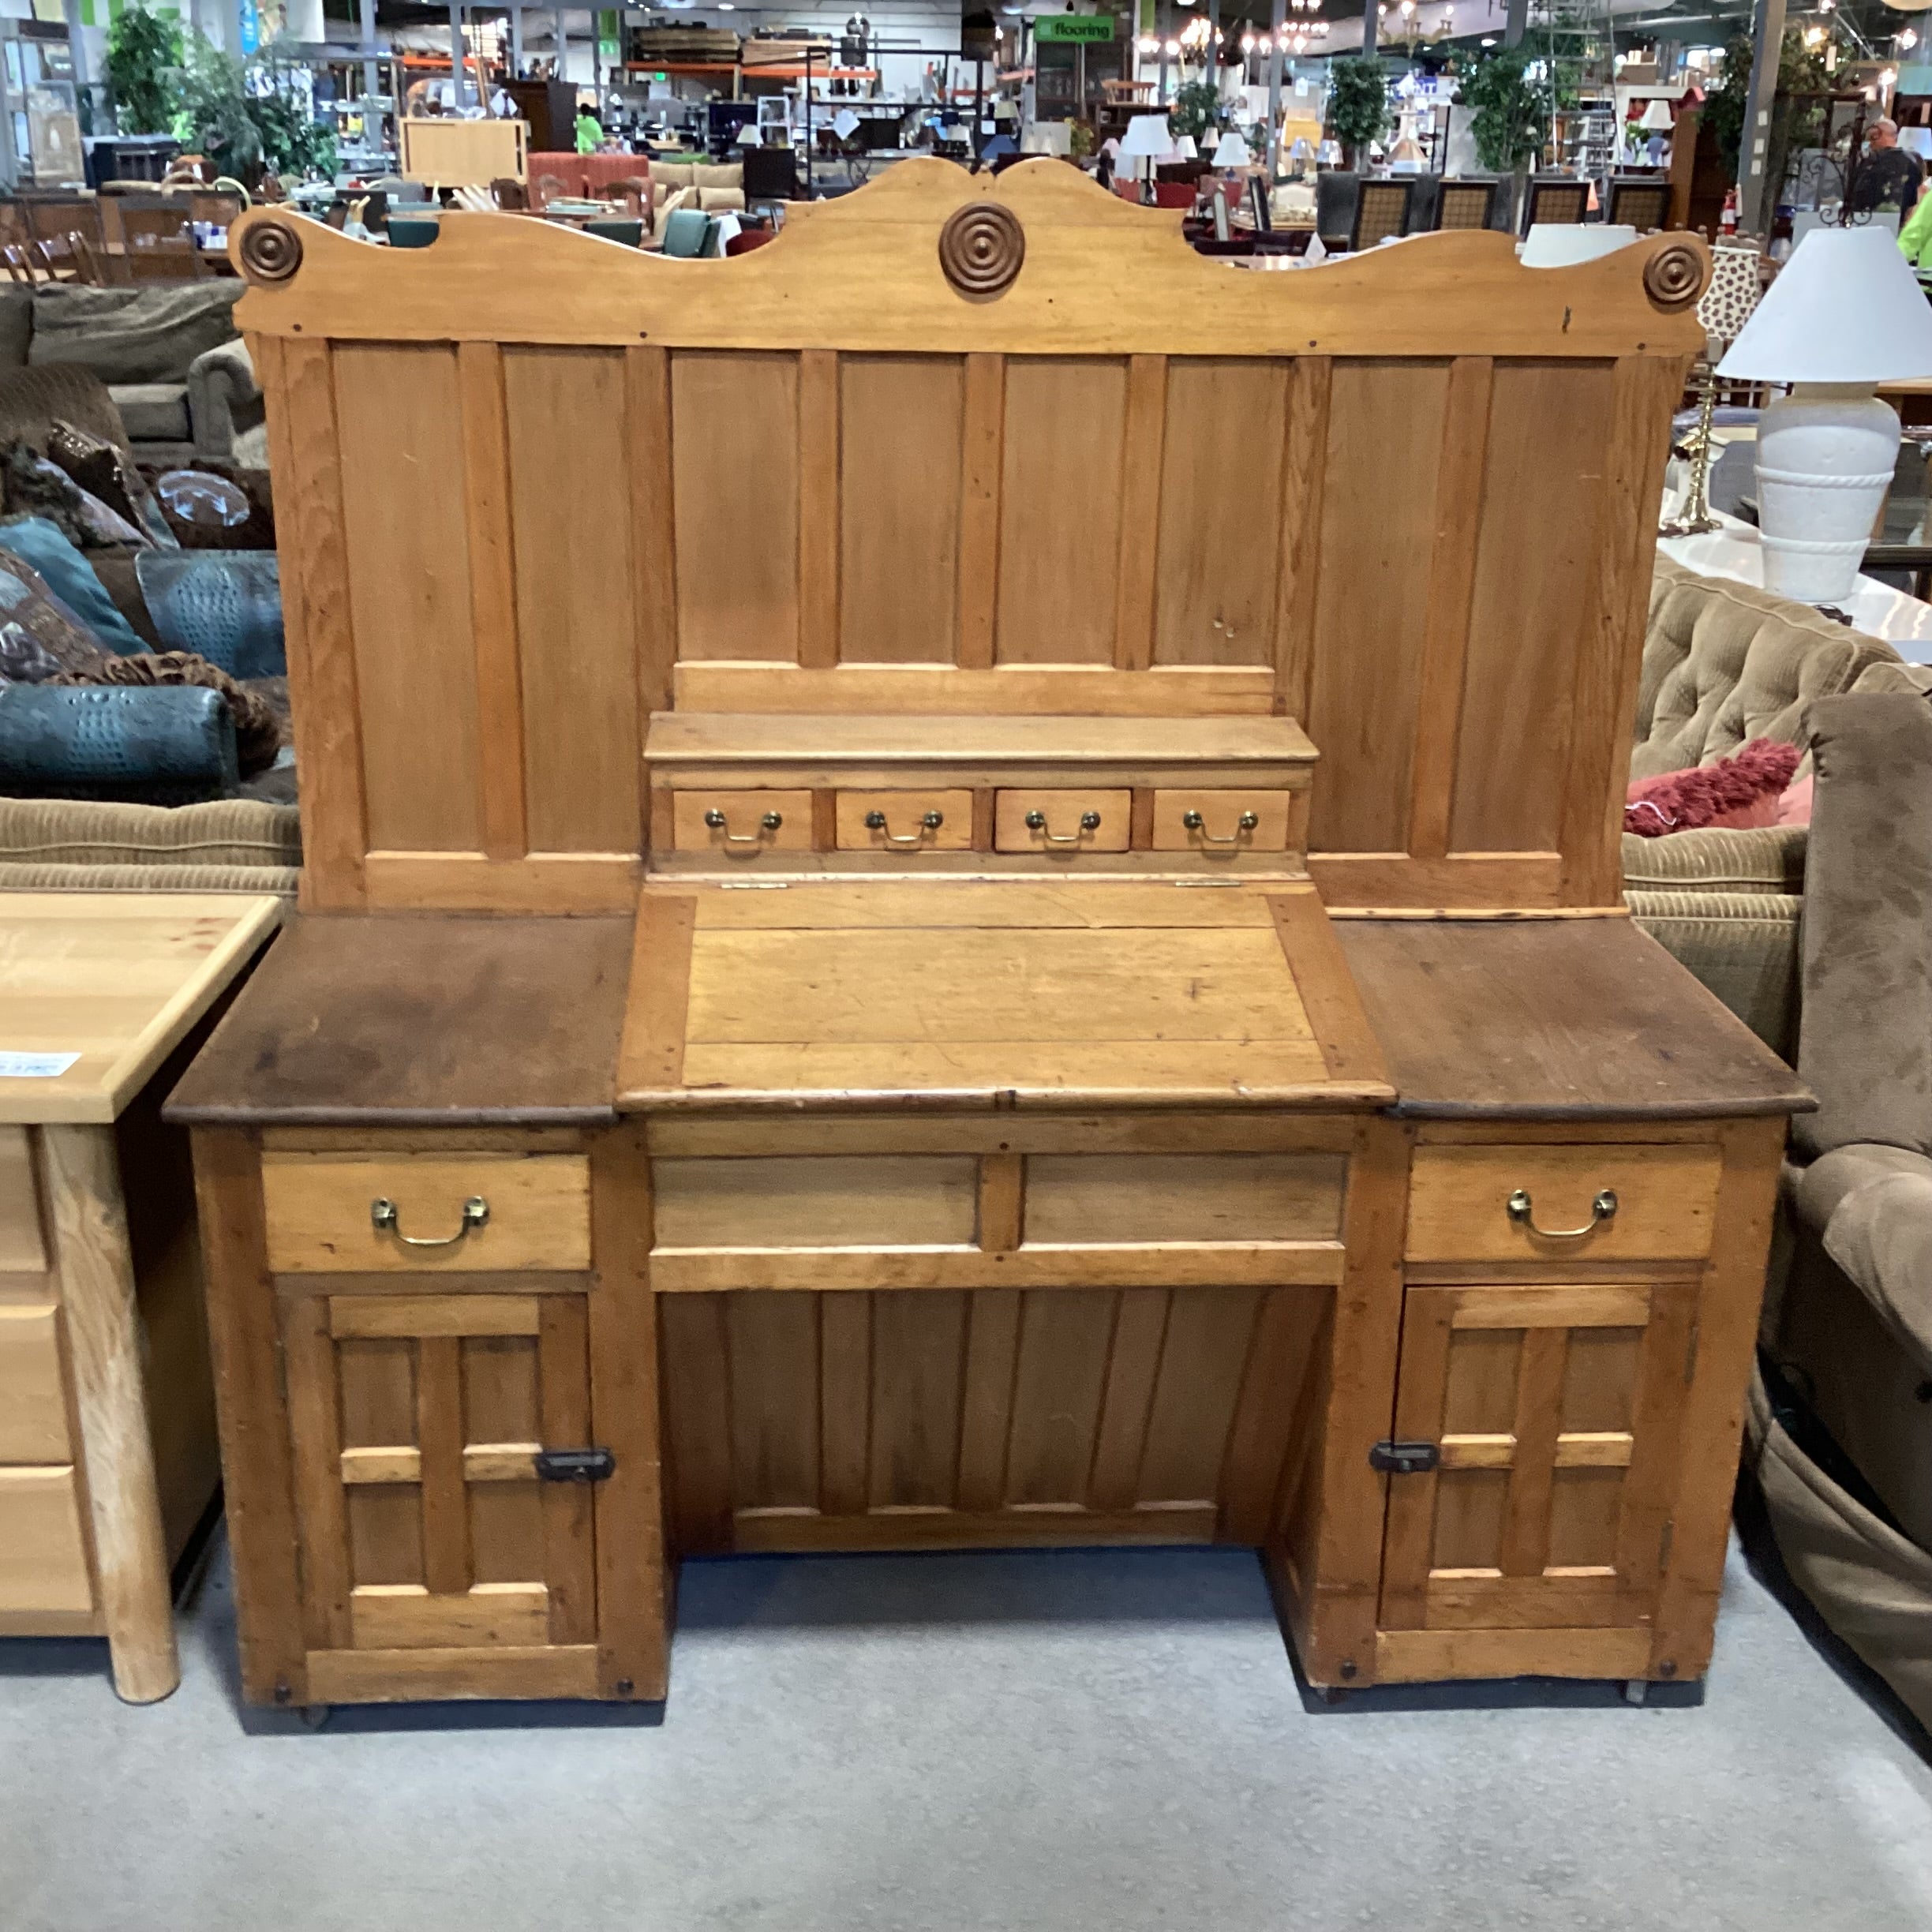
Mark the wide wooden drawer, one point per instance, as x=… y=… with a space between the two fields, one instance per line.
x=324 y=1217
x=905 y=822
x=1066 y=821
x=913 y=1200
x=1527 y=1203
x=1086 y=1199
x=741 y=824
x=42 y=1548
x=1220 y=822
x=33 y=1404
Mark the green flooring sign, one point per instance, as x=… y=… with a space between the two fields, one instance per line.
x=1089 y=29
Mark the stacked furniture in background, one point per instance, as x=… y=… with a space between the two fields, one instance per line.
x=1107 y=1122
x=1841 y=1423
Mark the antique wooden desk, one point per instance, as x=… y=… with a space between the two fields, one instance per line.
x=838 y=1007
x=107 y=1450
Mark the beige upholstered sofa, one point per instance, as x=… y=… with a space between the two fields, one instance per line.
x=1724 y=663
x=225 y=845
x=712 y=188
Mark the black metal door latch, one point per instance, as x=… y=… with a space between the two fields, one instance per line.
x=1404 y=1458
x=583 y=1465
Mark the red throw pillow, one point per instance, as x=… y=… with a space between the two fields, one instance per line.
x=1738 y=792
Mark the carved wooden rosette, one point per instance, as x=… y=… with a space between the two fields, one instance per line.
x=981 y=248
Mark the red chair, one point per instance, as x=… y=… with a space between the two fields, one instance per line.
x=747 y=239
x=1174 y=194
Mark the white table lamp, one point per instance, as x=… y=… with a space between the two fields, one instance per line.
x=1233 y=151
x=1184 y=149
x=1657 y=119
x=1845 y=313
x=1147 y=141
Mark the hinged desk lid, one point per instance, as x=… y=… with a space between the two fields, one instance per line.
x=915 y=993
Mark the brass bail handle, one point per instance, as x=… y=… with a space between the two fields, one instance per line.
x=1523 y=1213
x=875 y=822
x=384 y=1218
x=1193 y=822
x=718 y=822
x=1036 y=822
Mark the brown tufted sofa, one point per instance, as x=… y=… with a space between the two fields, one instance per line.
x=1724 y=663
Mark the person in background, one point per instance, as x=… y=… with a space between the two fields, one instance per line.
x=1890 y=177
x=589 y=132
x=1915 y=231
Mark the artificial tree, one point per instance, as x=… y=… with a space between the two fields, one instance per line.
x=1196 y=111
x=143 y=65
x=1511 y=107
x=1358 y=108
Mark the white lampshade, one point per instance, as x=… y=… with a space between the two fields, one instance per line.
x=1563 y=244
x=1657 y=117
x=1148 y=140
x=1184 y=147
x=1232 y=152
x=1845 y=309
x=749 y=136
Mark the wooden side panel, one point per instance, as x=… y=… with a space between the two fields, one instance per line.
x=1220 y=508
x=1060 y=518
x=1543 y=497
x=735 y=474
x=1377 y=521
x=901 y=463
x=569 y=458
x=398 y=414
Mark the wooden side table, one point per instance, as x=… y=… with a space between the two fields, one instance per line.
x=107 y=1448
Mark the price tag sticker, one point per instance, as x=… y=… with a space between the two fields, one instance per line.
x=35 y=1065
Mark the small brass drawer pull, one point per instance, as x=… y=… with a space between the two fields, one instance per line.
x=1036 y=822
x=382 y=1215
x=1603 y=1208
x=1195 y=823
x=875 y=822
x=718 y=822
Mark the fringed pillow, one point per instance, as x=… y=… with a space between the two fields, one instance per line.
x=1736 y=792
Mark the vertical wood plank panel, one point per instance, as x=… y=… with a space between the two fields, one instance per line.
x=844 y=1401
x=633 y=1639
x=312 y=546
x=1544 y=501
x=1220 y=475
x=1002 y=1201
x=983 y=409
x=735 y=470
x=1142 y=534
x=1539 y=1405
x=1372 y=601
x=918 y=1343
x=1060 y=535
x=439 y=1434
x=1298 y=581
x=573 y=585
x=1656 y=1426
x=774 y=1352
x=398 y=414
x=1274 y=1394
x=985 y=1406
x=1209 y=1333
x=1140 y=1323
x=316 y=1435
x=697 y=1421
x=564 y=1419
x=901 y=430
x=1057 y=1389
x=1421 y=1393
x=819 y=499
x=653 y=537
x=1452 y=576
x=1603 y=699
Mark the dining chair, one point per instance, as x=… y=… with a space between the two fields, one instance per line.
x=1381 y=210
x=1464 y=204
x=158 y=245
x=1638 y=201
x=1555 y=198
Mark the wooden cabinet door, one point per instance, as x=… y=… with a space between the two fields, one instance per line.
x=418 y=1423
x=1555 y=1413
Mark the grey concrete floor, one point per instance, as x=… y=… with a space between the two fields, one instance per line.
x=1044 y=1742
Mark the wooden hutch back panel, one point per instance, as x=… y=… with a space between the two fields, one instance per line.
x=534 y=486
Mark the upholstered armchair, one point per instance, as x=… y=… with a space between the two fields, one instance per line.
x=225 y=409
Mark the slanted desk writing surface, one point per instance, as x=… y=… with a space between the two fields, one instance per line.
x=997 y=1142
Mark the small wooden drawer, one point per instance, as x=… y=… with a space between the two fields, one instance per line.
x=33 y=1404
x=1219 y=823
x=1085 y=1199
x=740 y=825
x=330 y=1216
x=914 y=1200
x=43 y=1565
x=905 y=822
x=1536 y=1203
x=1062 y=821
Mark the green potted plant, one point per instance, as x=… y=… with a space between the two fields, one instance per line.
x=144 y=69
x=1511 y=108
x=1358 y=111
x=1196 y=111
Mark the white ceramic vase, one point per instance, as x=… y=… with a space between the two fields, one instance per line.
x=1825 y=456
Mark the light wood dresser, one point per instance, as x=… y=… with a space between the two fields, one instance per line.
x=1016 y=951
x=108 y=1451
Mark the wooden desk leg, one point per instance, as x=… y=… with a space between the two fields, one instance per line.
x=96 y=1273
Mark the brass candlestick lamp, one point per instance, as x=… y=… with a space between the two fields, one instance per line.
x=1723 y=308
